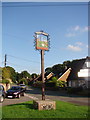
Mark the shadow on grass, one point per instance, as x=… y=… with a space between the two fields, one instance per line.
x=27 y=105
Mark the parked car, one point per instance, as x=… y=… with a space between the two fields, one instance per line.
x=2 y=93
x=15 y=92
x=23 y=86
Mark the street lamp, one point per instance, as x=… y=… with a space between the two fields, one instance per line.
x=42 y=43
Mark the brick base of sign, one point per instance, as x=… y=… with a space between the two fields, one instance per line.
x=44 y=104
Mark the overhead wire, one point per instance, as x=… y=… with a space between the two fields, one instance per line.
x=23 y=59
x=16 y=64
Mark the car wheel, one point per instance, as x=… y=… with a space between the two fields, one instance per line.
x=1 y=99
x=23 y=94
x=18 y=96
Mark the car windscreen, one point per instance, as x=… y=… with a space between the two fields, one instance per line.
x=15 y=88
x=22 y=85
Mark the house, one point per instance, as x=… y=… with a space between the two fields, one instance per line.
x=39 y=78
x=82 y=71
x=65 y=75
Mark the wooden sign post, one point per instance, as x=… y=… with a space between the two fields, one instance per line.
x=42 y=44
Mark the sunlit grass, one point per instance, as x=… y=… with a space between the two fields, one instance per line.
x=63 y=110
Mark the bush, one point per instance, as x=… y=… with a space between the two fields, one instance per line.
x=61 y=83
x=54 y=79
x=38 y=84
x=21 y=81
x=50 y=84
x=84 y=93
x=74 y=90
x=5 y=81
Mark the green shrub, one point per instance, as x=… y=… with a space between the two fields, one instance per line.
x=54 y=79
x=23 y=80
x=74 y=89
x=61 y=83
x=38 y=84
x=5 y=81
x=50 y=84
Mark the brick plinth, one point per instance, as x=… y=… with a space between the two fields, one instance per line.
x=44 y=104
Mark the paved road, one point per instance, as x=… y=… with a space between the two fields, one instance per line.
x=9 y=101
x=59 y=95
x=35 y=93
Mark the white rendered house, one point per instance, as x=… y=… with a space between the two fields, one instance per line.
x=84 y=73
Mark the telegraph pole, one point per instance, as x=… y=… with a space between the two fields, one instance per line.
x=5 y=62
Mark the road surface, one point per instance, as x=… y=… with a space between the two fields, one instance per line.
x=35 y=94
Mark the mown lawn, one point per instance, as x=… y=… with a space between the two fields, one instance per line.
x=0 y=111
x=63 y=110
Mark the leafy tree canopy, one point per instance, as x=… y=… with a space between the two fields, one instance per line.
x=23 y=81
x=5 y=81
x=57 y=69
x=12 y=73
x=25 y=74
x=34 y=75
x=5 y=73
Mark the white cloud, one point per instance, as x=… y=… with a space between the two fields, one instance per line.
x=79 y=43
x=85 y=29
x=74 y=48
x=76 y=30
x=81 y=29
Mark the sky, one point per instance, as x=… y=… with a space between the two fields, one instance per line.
x=45 y=0
x=65 y=22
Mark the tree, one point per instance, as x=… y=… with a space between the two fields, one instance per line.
x=23 y=81
x=25 y=74
x=5 y=73
x=57 y=69
x=12 y=73
x=48 y=70
x=18 y=77
x=9 y=73
x=34 y=75
x=5 y=81
x=67 y=64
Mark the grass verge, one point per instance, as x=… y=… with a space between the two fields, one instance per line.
x=63 y=110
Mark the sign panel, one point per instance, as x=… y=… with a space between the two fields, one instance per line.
x=41 y=41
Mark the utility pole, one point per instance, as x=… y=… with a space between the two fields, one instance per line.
x=5 y=62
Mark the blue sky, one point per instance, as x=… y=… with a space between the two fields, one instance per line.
x=66 y=24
